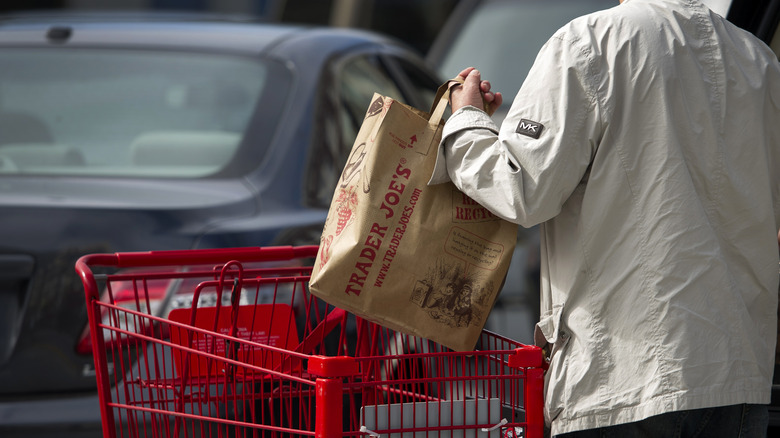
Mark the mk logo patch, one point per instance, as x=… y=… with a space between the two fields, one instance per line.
x=530 y=128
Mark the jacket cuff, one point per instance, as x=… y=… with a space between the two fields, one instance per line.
x=467 y=117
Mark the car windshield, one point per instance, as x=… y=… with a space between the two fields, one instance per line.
x=502 y=38
x=129 y=113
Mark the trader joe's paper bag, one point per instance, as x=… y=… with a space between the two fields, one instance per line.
x=423 y=260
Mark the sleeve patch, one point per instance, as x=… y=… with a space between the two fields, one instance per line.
x=529 y=128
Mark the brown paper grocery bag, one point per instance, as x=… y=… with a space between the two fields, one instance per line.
x=423 y=260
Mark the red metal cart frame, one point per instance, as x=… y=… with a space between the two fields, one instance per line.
x=263 y=357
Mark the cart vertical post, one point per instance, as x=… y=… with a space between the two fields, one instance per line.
x=92 y=294
x=329 y=392
x=531 y=358
x=329 y=407
x=534 y=404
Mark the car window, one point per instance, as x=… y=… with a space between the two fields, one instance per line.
x=516 y=30
x=359 y=80
x=421 y=82
x=342 y=104
x=126 y=113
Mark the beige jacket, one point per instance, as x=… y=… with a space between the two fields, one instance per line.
x=656 y=180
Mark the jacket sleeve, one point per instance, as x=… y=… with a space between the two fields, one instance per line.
x=526 y=170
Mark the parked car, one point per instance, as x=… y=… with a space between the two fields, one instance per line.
x=136 y=135
x=502 y=38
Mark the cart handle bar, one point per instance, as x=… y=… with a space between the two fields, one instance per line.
x=199 y=256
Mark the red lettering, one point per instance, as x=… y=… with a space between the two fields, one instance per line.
x=352 y=290
x=376 y=229
x=392 y=198
x=373 y=241
x=486 y=213
x=368 y=253
x=389 y=210
x=397 y=186
x=364 y=268
x=358 y=280
x=468 y=214
x=403 y=172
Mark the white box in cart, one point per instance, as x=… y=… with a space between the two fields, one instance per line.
x=434 y=414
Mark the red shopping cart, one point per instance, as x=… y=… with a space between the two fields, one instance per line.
x=230 y=342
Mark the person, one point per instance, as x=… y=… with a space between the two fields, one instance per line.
x=645 y=142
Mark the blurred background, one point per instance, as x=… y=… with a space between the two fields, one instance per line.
x=131 y=125
x=415 y=22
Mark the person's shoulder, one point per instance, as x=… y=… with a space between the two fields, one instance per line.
x=582 y=32
x=590 y=24
x=744 y=41
x=621 y=22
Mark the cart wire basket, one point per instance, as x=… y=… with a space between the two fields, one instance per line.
x=230 y=343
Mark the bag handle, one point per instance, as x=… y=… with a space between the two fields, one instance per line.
x=442 y=99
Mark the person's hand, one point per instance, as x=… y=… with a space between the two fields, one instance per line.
x=474 y=92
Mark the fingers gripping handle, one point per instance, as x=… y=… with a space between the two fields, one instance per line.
x=443 y=98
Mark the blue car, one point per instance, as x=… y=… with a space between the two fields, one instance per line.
x=136 y=135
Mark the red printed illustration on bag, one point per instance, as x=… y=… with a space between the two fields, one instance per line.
x=346 y=203
x=325 y=250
